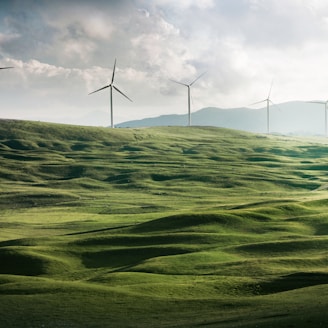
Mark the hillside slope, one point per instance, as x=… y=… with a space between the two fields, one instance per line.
x=157 y=160
x=166 y=227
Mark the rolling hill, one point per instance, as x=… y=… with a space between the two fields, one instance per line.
x=164 y=226
x=298 y=118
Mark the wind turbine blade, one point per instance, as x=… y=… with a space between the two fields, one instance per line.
x=258 y=102
x=113 y=71
x=270 y=89
x=118 y=90
x=5 y=67
x=186 y=85
x=196 y=79
x=107 y=86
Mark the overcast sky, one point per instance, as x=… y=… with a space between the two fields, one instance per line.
x=63 y=50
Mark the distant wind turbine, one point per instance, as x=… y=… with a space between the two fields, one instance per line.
x=268 y=102
x=5 y=67
x=326 y=107
x=188 y=86
x=112 y=86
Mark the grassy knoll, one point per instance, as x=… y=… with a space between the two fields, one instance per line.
x=161 y=227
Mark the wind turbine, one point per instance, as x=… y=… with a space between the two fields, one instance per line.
x=112 y=86
x=326 y=107
x=188 y=86
x=5 y=67
x=268 y=102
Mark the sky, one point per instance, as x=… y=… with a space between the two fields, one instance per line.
x=63 y=50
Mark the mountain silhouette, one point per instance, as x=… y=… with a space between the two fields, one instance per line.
x=294 y=117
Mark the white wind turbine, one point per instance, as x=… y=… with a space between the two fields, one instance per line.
x=268 y=102
x=112 y=86
x=188 y=86
x=326 y=108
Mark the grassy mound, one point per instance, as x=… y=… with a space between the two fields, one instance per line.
x=166 y=227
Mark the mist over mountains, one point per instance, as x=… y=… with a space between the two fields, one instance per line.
x=296 y=117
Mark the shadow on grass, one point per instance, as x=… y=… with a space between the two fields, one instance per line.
x=127 y=257
x=293 y=281
x=97 y=230
x=187 y=221
x=20 y=263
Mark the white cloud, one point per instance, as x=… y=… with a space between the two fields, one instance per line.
x=183 y=4
x=80 y=21
x=8 y=37
x=63 y=50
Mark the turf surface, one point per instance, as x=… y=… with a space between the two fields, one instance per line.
x=165 y=227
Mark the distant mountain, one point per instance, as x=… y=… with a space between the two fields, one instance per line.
x=287 y=118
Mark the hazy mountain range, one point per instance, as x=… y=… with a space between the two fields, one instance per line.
x=294 y=117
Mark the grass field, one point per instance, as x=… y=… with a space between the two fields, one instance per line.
x=161 y=227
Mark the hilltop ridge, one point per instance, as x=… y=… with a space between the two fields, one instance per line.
x=292 y=118
x=159 y=160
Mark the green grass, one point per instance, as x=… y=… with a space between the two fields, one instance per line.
x=165 y=227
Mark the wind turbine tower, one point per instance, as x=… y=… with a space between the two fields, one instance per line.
x=189 y=96
x=268 y=101
x=112 y=86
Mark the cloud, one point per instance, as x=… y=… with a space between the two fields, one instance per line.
x=64 y=49
x=184 y=4
x=5 y=38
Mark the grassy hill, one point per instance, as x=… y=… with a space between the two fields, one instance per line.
x=165 y=227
